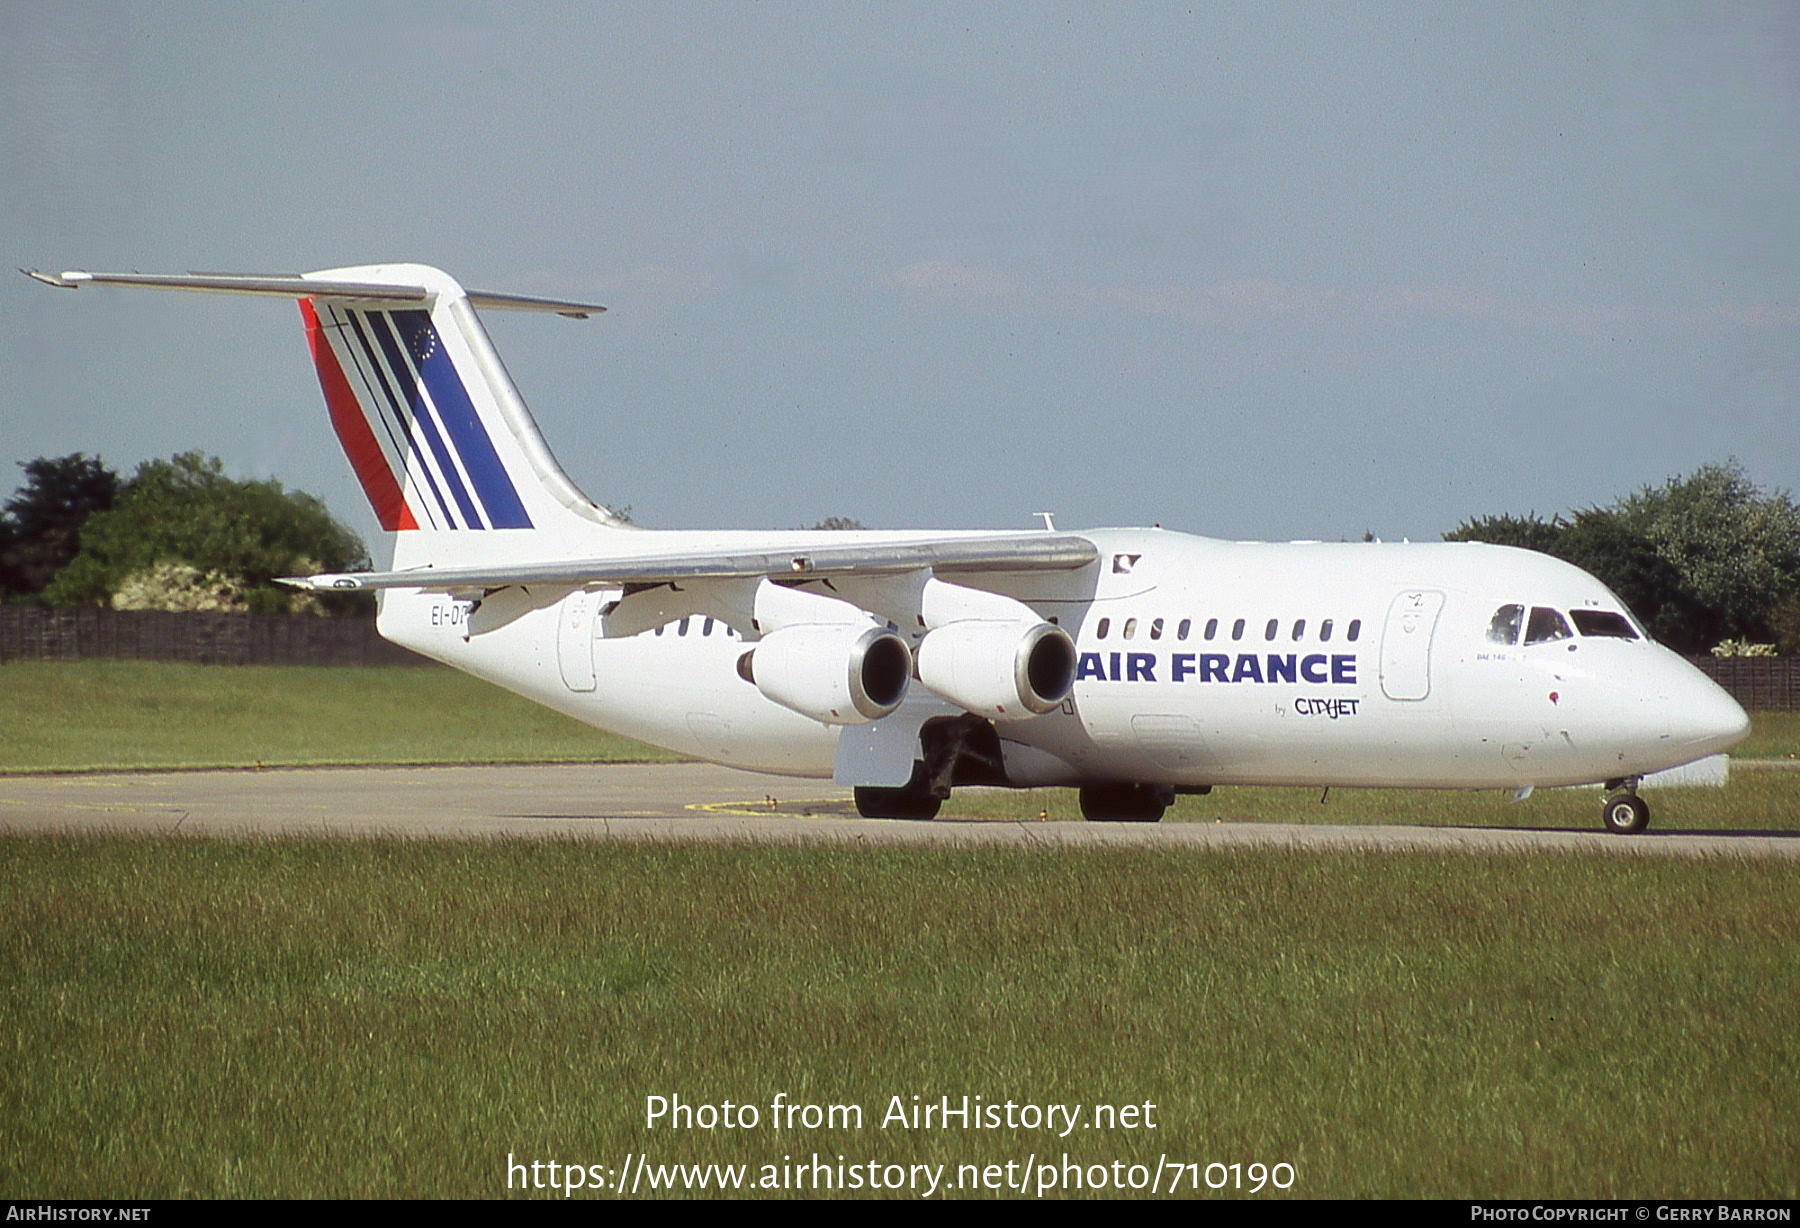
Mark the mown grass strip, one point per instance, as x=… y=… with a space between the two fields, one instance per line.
x=281 y=1018
x=1755 y=800
x=83 y=715
x=1773 y=735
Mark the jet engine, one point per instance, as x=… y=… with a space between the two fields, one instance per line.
x=1003 y=671
x=838 y=673
x=992 y=655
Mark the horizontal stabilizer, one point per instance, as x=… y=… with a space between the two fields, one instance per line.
x=1025 y=552
x=294 y=286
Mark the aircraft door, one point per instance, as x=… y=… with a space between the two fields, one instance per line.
x=575 y=639
x=1406 y=644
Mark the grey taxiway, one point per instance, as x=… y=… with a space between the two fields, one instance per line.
x=688 y=802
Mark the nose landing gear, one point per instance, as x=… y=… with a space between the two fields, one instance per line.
x=1624 y=813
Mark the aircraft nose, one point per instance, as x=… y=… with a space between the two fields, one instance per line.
x=1706 y=718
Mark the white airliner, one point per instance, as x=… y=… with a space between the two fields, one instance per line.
x=1133 y=664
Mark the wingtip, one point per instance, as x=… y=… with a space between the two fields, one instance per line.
x=323 y=583
x=62 y=281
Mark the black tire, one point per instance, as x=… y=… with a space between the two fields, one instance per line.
x=1625 y=814
x=873 y=803
x=1123 y=803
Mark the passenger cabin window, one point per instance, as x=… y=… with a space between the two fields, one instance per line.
x=1355 y=630
x=1603 y=623
x=1299 y=628
x=1212 y=627
x=1273 y=629
x=1130 y=627
x=1237 y=629
x=1156 y=629
x=1101 y=630
x=1546 y=626
x=1181 y=632
x=1325 y=632
x=1504 y=628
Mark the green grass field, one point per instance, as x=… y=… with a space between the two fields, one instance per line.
x=289 y=1018
x=1773 y=735
x=387 y=1018
x=83 y=715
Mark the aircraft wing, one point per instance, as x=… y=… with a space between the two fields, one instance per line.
x=1023 y=552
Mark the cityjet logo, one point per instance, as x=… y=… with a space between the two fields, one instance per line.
x=1217 y=667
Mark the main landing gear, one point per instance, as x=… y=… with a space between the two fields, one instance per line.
x=1624 y=813
x=913 y=800
x=1125 y=803
x=965 y=750
x=960 y=750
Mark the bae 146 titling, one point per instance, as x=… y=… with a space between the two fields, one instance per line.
x=1132 y=664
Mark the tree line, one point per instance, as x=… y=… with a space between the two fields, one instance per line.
x=178 y=534
x=1705 y=559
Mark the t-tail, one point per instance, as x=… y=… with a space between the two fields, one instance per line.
x=433 y=427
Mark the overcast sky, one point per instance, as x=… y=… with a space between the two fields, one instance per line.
x=1260 y=270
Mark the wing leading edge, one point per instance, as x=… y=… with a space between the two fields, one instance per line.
x=1033 y=552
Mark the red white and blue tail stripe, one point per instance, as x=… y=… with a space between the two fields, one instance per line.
x=408 y=422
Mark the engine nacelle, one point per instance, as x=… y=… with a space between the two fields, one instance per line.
x=838 y=673
x=1005 y=671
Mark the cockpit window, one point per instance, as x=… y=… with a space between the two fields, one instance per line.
x=1603 y=622
x=1546 y=625
x=1507 y=621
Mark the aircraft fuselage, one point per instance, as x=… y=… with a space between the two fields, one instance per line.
x=1199 y=662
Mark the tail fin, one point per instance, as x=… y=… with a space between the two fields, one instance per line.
x=424 y=409
x=422 y=405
